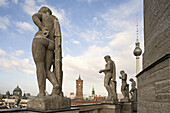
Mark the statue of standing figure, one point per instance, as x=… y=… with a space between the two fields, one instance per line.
x=133 y=90
x=110 y=79
x=47 y=43
x=47 y=55
x=124 y=87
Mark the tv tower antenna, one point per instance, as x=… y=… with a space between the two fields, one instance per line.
x=137 y=52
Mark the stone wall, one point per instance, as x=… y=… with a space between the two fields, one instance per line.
x=89 y=108
x=154 y=79
x=154 y=88
x=156 y=30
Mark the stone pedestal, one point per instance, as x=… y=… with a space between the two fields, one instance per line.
x=134 y=104
x=49 y=103
x=124 y=100
x=113 y=101
x=110 y=108
x=126 y=107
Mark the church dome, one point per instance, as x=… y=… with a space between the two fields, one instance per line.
x=138 y=50
x=7 y=93
x=17 y=91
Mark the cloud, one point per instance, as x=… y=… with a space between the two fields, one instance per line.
x=24 y=26
x=19 y=52
x=31 y=7
x=4 y=3
x=11 y=62
x=15 y=1
x=91 y=35
x=75 y=42
x=88 y=1
x=2 y=52
x=4 y=22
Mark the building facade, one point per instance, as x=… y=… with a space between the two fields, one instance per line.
x=79 y=88
x=154 y=79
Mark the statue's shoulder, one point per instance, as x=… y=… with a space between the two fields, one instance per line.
x=55 y=18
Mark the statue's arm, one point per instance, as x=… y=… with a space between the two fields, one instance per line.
x=108 y=67
x=57 y=33
x=37 y=20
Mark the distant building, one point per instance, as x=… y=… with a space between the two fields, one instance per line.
x=17 y=92
x=79 y=88
x=9 y=100
x=93 y=94
x=72 y=96
x=99 y=98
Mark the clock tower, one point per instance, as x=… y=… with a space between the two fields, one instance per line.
x=79 y=88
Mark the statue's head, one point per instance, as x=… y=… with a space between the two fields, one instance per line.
x=122 y=72
x=45 y=10
x=131 y=79
x=107 y=58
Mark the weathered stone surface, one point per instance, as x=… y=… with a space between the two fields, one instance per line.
x=162 y=90
x=43 y=47
x=47 y=55
x=124 y=87
x=149 y=83
x=110 y=80
x=153 y=82
x=49 y=103
x=156 y=30
x=133 y=91
x=126 y=107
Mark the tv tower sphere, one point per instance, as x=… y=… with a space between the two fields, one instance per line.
x=138 y=50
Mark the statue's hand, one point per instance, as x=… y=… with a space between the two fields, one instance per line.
x=120 y=77
x=45 y=31
x=100 y=71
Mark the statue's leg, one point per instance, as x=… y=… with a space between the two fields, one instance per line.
x=41 y=77
x=51 y=75
x=113 y=83
x=38 y=52
x=108 y=88
x=123 y=90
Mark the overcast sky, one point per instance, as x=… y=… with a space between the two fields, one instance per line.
x=90 y=30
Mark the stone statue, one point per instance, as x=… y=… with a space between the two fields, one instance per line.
x=133 y=90
x=47 y=55
x=43 y=50
x=124 y=87
x=110 y=79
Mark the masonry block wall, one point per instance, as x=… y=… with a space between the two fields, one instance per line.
x=154 y=80
x=156 y=30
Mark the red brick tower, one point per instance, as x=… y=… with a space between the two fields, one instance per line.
x=79 y=88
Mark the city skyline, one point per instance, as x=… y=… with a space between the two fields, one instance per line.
x=90 y=30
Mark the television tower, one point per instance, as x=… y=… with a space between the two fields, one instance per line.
x=137 y=52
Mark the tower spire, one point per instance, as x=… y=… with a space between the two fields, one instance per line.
x=137 y=30
x=137 y=52
x=79 y=76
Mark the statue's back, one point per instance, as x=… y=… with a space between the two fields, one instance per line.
x=113 y=71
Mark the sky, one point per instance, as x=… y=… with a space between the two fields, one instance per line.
x=91 y=29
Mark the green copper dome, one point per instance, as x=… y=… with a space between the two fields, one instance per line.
x=17 y=91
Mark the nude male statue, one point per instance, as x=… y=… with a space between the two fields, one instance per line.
x=125 y=86
x=43 y=47
x=133 y=90
x=110 y=78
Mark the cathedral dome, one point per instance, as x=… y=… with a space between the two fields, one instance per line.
x=138 y=50
x=17 y=91
x=7 y=93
